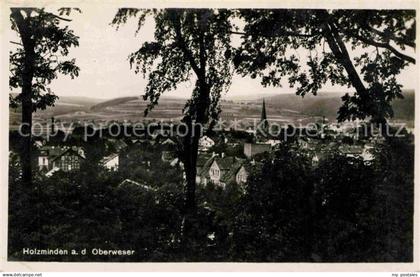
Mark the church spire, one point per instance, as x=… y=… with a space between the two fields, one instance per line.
x=263 y=112
x=264 y=121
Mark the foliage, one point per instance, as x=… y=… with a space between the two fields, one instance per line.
x=343 y=210
x=142 y=163
x=274 y=210
x=287 y=212
x=274 y=40
x=393 y=208
x=231 y=151
x=49 y=42
x=343 y=197
x=34 y=64
x=186 y=42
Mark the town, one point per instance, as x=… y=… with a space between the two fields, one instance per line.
x=225 y=155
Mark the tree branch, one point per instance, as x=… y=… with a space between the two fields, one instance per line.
x=17 y=43
x=182 y=44
x=30 y=10
x=273 y=35
x=202 y=55
x=61 y=18
x=339 y=50
x=382 y=45
x=390 y=36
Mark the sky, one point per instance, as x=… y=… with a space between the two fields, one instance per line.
x=105 y=70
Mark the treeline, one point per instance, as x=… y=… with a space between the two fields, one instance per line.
x=343 y=210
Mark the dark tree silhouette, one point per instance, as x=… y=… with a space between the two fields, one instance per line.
x=271 y=38
x=274 y=219
x=35 y=63
x=189 y=44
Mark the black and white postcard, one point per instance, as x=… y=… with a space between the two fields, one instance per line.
x=274 y=135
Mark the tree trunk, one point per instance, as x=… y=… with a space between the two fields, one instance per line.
x=191 y=143
x=28 y=73
x=339 y=50
x=190 y=156
x=195 y=118
x=25 y=155
x=25 y=32
x=190 y=164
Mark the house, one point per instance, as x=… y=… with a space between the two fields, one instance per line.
x=168 y=156
x=273 y=142
x=118 y=144
x=202 y=159
x=131 y=183
x=367 y=153
x=351 y=151
x=14 y=158
x=355 y=151
x=111 y=162
x=205 y=143
x=315 y=160
x=168 y=141
x=303 y=142
x=52 y=171
x=62 y=158
x=168 y=144
x=251 y=131
x=176 y=162
x=222 y=170
x=335 y=127
x=330 y=132
x=39 y=143
x=264 y=125
x=377 y=138
x=251 y=149
x=160 y=133
x=318 y=156
x=409 y=130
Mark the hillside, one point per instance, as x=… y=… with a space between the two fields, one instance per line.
x=404 y=108
x=78 y=100
x=112 y=102
x=63 y=105
x=283 y=108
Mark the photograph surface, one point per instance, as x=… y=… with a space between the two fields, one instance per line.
x=258 y=135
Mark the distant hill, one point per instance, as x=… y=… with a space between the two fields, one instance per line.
x=78 y=100
x=404 y=108
x=281 y=107
x=62 y=106
x=74 y=100
x=247 y=97
x=328 y=103
x=324 y=104
x=112 y=102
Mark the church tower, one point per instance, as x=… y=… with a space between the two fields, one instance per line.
x=264 y=121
